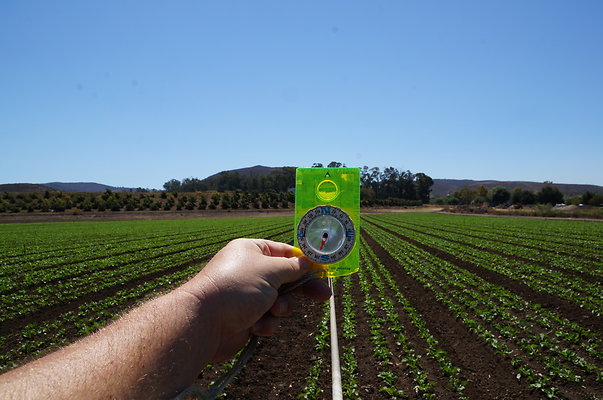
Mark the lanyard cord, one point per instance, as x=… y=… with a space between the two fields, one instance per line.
x=219 y=384
x=335 y=367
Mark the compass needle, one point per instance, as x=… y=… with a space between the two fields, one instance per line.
x=325 y=236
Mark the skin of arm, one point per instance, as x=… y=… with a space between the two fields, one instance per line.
x=157 y=349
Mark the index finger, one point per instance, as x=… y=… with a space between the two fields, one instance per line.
x=276 y=249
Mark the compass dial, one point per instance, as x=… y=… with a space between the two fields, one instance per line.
x=326 y=234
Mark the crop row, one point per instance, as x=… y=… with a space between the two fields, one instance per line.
x=349 y=362
x=574 y=289
x=92 y=260
x=94 y=245
x=397 y=360
x=312 y=388
x=382 y=278
x=545 y=349
x=555 y=254
x=103 y=288
x=105 y=273
x=572 y=233
x=581 y=239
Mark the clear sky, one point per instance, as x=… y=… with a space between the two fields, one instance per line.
x=135 y=93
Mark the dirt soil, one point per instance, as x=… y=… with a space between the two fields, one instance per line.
x=68 y=216
x=78 y=215
x=280 y=366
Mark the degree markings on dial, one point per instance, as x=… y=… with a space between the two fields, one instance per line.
x=326 y=234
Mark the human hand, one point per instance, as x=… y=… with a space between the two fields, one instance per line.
x=158 y=348
x=240 y=286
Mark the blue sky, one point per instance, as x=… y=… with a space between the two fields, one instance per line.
x=133 y=93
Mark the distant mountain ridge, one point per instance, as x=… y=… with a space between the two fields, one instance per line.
x=88 y=187
x=24 y=188
x=440 y=188
x=446 y=187
x=84 y=187
x=255 y=171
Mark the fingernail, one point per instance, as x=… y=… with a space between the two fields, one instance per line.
x=304 y=264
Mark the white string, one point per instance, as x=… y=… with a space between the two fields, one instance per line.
x=335 y=367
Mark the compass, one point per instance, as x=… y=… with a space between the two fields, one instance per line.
x=326 y=234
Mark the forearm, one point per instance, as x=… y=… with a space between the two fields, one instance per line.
x=155 y=351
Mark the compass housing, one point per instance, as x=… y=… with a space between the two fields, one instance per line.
x=327 y=218
x=326 y=234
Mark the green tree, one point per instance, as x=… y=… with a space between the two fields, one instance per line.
x=226 y=201
x=236 y=200
x=522 y=196
x=215 y=200
x=192 y=185
x=367 y=196
x=516 y=195
x=101 y=205
x=57 y=204
x=596 y=200
x=172 y=185
x=423 y=183
x=587 y=197
x=108 y=193
x=229 y=181
x=499 y=195
x=113 y=204
x=528 y=197
x=202 y=203
x=550 y=195
x=574 y=200
x=86 y=205
x=465 y=195
x=481 y=191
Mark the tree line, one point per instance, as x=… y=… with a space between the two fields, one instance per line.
x=499 y=195
x=278 y=180
x=58 y=201
x=393 y=187
x=378 y=187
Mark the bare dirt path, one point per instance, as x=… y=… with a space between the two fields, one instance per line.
x=137 y=215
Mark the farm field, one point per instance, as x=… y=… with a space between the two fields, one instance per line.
x=444 y=306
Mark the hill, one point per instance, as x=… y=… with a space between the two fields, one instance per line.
x=252 y=172
x=24 y=188
x=445 y=187
x=440 y=188
x=82 y=187
x=87 y=187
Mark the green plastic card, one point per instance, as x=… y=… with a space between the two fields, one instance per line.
x=327 y=218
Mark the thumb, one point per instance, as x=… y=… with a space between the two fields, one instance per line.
x=287 y=270
x=283 y=270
